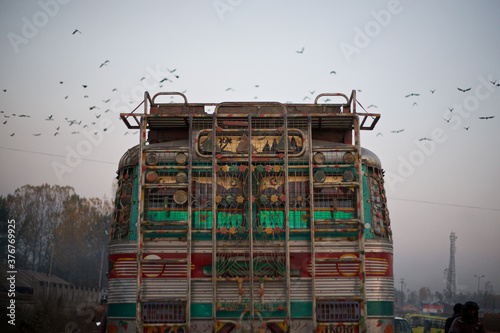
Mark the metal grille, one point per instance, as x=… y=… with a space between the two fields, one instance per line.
x=337 y=311
x=164 y=312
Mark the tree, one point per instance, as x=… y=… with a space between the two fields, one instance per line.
x=36 y=210
x=424 y=294
x=81 y=239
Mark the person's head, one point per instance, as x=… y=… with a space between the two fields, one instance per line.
x=470 y=310
x=104 y=299
x=457 y=309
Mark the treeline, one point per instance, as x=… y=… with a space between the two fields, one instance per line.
x=58 y=231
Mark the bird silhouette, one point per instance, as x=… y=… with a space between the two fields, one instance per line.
x=412 y=94
x=76 y=30
x=415 y=103
x=424 y=139
x=464 y=90
x=98 y=116
x=495 y=83
x=105 y=63
x=165 y=79
x=466 y=128
x=94 y=107
x=398 y=131
x=487 y=117
x=312 y=92
x=86 y=96
x=301 y=51
x=451 y=109
x=448 y=120
x=432 y=91
x=61 y=82
x=229 y=89
x=333 y=72
x=306 y=97
x=256 y=86
x=5 y=122
x=371 y=106
x=50 y=117
x=5 y=90
x=378 y=134
x=37 y=134
x=142 y=78
x=56 y=133
x=12 y=134
x=171 y=71
x=106 y=101
x=65 y=97
x=114 y=89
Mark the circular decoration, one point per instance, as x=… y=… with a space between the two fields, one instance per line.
x=240 y=199
x=274 y=181
x=243 y=168
x=348 y=157
x=263 y=198
x=274 y=198
x=151 y=176
x=319 y=158
x=180 y=197
x=152 y=159
x=225 y=168
x=319 y=176
x=348 y=176
x=181 y=177
x=233 y=182
x=268 y=168
x=181 y=158
x=276 y=168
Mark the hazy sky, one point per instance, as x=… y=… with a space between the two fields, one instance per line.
x=442 y=166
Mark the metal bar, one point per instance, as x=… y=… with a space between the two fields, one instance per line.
x=287 y=220
x=250 y=215
x=214 y=221
x=331 y=95
x=190 y=220
x=360 y=215
x=312 y=221
x=140 y=214
x=169 y=93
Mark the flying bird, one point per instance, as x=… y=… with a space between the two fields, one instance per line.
x=412 y=94
x=12 y=134
x=464 y=90
x=5 y=90
x=105 y=63
x=432 y=91
x=301 y=51
x=84 y=85
x=37 y=134
x=466 y=128
x=371 y=106
x=448 y=120
x=93 y=107
x=415 y=104
x=106 y=101
x=312 y=92
x=398 y=131
x=114 y=90
x=5 y=122
x=228 y=89
x=50 y=117
x=56 y=133
x=451 y=109
x=379 y=134
x=165 y=79
x=424 y=139
x=61 y=82
x=333 y=72
x=487 y=117
x=171 y=71
x=76 y=30
x=65 y=97
x=495 y=83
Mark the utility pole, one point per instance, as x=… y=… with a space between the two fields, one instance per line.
x=478 y=279
x=402 y=293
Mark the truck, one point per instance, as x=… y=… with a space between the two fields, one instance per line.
x=250 y=217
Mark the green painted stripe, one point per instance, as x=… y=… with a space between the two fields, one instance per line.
x=298 y=310
x=380 y=308
x=121 y=310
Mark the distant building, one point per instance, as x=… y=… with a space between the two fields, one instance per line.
x=432 y=308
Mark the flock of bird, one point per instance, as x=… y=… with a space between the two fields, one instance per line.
x=76 y=123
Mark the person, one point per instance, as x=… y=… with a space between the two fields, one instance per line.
x=469 y=321
x=457 y=312
x=100 y=315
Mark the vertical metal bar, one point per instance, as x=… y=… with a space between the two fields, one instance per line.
x=287 y=220
x=140 y=220
x=250 y=215
x=190 y=219
x=214 y=219
x=361 y=235
x=311 y=220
